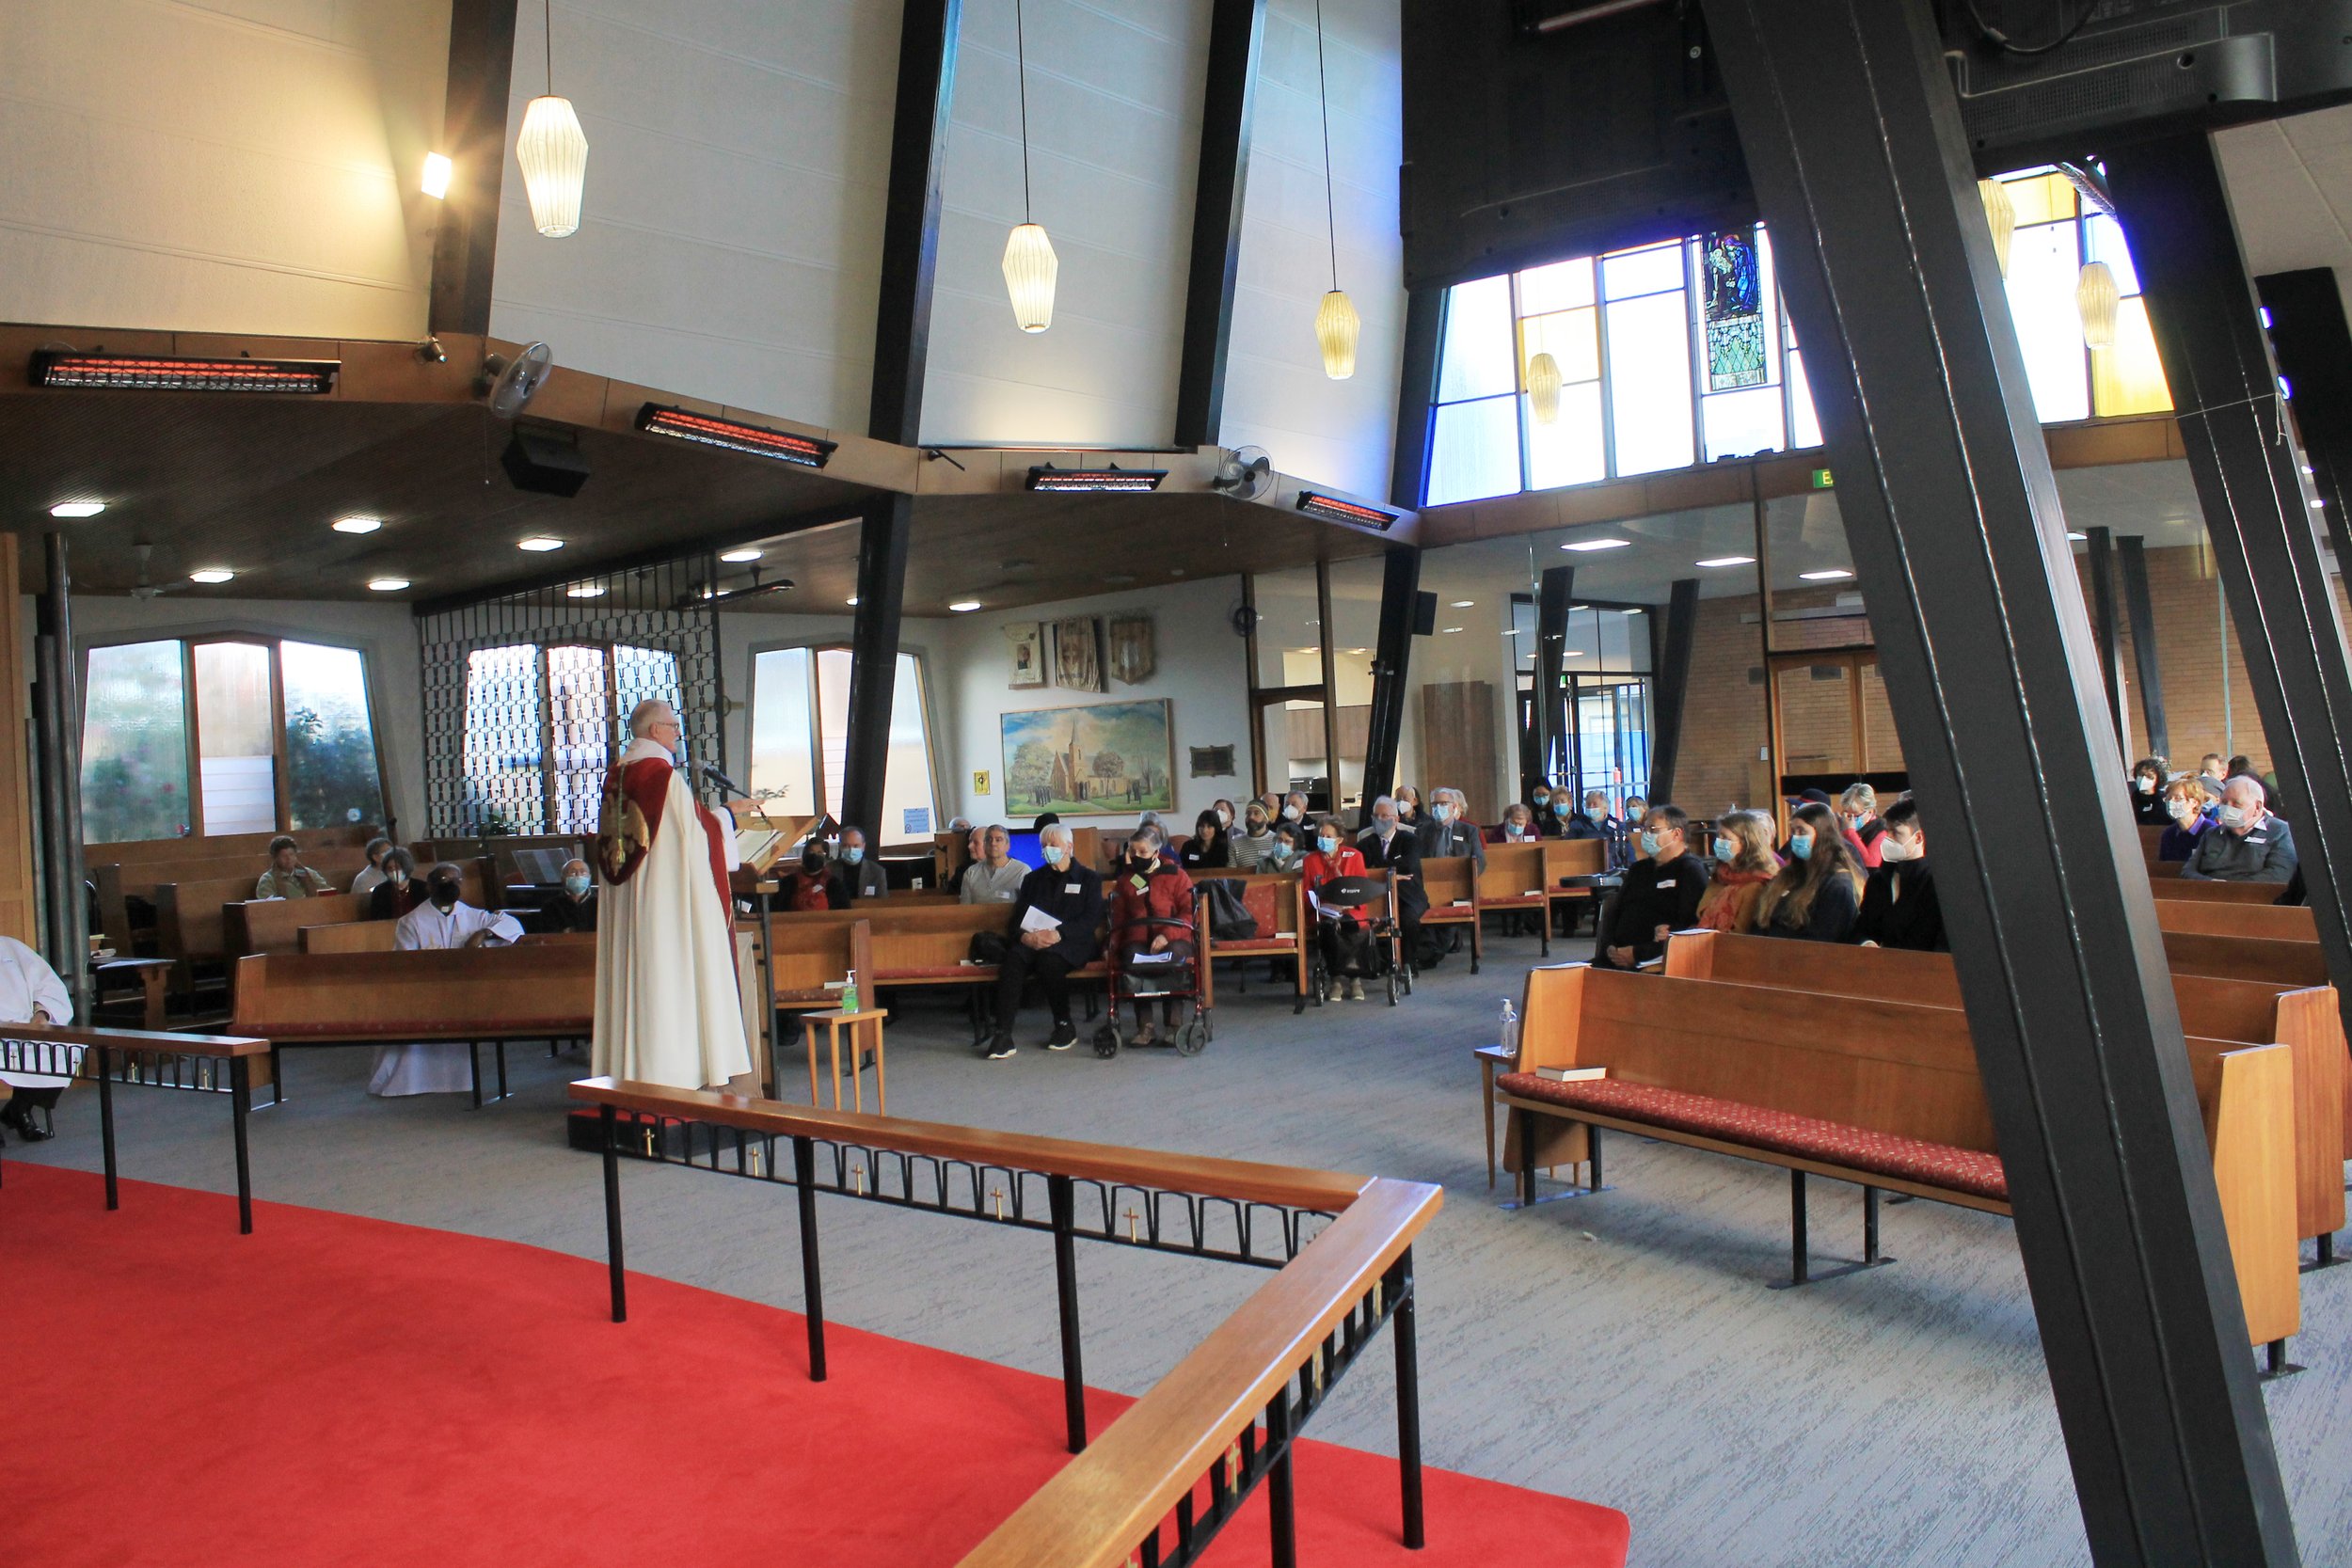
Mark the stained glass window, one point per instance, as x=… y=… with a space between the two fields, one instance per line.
x=1733 y=304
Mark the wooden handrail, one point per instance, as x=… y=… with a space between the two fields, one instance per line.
x=1245 y=1180
x=140 y=1042
x=1095 y=1509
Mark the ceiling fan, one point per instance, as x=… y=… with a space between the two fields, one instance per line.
x=143 y=588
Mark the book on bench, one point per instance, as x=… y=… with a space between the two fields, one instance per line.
x=1571 y=1074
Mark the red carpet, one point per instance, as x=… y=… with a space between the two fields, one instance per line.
x=333 y=1390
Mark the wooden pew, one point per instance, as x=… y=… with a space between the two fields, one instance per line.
x=274 y=925
x=2305 y=1020
x=1281 y=909
x=123 y=872
x=1893 y=1069
x=1572 y=857
x=1514 y=880
x=2177 y=886
x=351 y=936
x=1451 y=883
x=922 y=945
x=2272 y=922
x=540 y=991
x=2268 y=960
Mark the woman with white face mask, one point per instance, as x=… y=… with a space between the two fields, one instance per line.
x=2190 y=805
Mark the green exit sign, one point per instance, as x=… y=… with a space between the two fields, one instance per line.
x=1821 y=479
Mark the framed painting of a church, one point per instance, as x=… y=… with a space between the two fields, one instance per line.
x=1108 y=759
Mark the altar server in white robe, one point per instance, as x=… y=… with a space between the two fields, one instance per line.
x=667 y=1010
x=30 y=992
x=440 y=921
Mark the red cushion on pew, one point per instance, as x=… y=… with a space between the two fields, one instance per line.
x=1946 y=1165
x=1513 y=900
x=1258 y=898
x=1227 y=949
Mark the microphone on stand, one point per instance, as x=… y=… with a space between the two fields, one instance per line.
x=712 y=772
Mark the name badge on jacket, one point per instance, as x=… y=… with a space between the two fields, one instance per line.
x=1069 y=887
x=1664 y=882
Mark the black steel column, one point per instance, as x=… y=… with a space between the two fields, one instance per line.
x=2133 y=561
x=1416 y=394
x=473 y=136
x=1854 y=140
x=910 y=255
x=58 y=713
x=1400 y=582
x=2100 y=558
x=2314 y=352
x=1674 y=684
x=1554 y=590
x=2258 y=512
x=881 y=579
x=1229 y=103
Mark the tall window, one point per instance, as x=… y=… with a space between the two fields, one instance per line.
x=799 y=740
x=272 y=734
x=543 y=723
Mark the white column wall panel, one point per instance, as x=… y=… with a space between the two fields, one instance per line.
x=1114 y=92
x=240 y=165
x=1336 y=433
x=730 y=242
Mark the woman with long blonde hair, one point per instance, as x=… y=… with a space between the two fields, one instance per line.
x=1744 y=861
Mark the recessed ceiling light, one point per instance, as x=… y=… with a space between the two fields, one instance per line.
x=1448 y=629
x=1596 y=543
x=587 y=591
x=1579 y=609
x=357 y=525
x=1729 y=561
x=964 y=606
x=1833 y=575
x=1571 y=653
x=2077 y=537
x=539 y=541
x=1355 y=650
x=388 y=585
x=852 y=600
x=1634 y=609
x=91 y=508
x=1464 y=603
x=211 y=573
x=737 y=558
x=435 y=181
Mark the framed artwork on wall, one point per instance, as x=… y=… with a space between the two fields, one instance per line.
x=1027 y=652
x=1132 y=655
x=1078 y=653
x=1107 y=759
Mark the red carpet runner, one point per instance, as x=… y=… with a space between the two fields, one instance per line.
x=333 y=1390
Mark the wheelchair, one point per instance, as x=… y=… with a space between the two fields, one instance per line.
x=1373 y=901
x=1177 y=980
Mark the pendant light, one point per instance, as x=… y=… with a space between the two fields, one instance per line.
x=1543 y=388
x=2000 y=214
x=1337 y=326
x=553 y=152
x=1031 y=265
x=2095 y=298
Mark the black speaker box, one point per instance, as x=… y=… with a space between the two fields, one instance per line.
x=1425 y=614
x=544 y=462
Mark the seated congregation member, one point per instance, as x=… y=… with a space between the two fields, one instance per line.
x=1256 y=837
x=1660 y=894
x=1409 y=808
x=400 y=890
x=1072 y=895
x=974 y=850
x=2243 y=767
x=1621 y=849
x=574 y=909
x=1343 y=934
x=1814 y=897
x=1209 y=848
x=1389 y=844
x=1224 y=810
x=1288 y=851
x=1858 y=815
x=30 y=992
x=372 y=873
x=860 y=874
x=2209 y=767
x=1450 y=831
x=287 y=877
x=1294 y=808
x=2246 y=844
x=1518 y=825
x=1899 y=907
x=815 y=884
x=1744 y=861
x=440 y=921
x=1150 y=913
x=995 y=878
x=2147 y=780
x=2189 y=809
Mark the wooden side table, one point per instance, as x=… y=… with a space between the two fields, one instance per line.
x=1489 y=1058
x=151 y=975
x=835 y=1020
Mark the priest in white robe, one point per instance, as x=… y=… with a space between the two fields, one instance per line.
x=30 y=992
x=440 y=921
x=668 y=1009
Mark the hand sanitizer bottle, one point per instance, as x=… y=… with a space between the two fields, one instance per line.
x=848 y=994
x=1510 y=1029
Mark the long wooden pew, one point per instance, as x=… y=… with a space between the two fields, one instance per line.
x=2271 y=922
x=1276 y=902
x=1572 y=857
x=1451 y=883
x=354 y=936
x=1881 y=1094
x=2246 y=1012
x=275 y=925
x=2197 y=891
x=1515 y=882
x=133 y=868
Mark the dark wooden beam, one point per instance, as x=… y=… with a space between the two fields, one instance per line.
x=2133 y=561
x=881 y=576
x=1673 y=685
x=910 y=255
x=2100 y=558
x=1554 y=590
x=1228 y=101
x=2314 y=351
x=473 y=136
x=1400 y=586
x=1416 y=395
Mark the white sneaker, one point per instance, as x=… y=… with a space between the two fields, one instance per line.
x=1355 y=990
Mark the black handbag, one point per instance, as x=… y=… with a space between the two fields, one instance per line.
x=1230 y=919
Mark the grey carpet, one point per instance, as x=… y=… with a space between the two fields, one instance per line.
x=1621 y=1348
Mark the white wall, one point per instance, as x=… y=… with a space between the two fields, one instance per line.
x=385 y=633
x=1114 y=104
x=237 y=166
x=731 y=233
x=1201 y=671
x=1339 y=433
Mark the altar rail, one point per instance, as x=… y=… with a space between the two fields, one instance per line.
x=1166 y=1476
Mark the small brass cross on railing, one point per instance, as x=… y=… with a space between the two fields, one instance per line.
x=999 y=1194
x=1131 y=1217
x=857 y=1174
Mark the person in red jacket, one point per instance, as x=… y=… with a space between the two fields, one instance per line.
x=1144 y=888
x=1346 y=935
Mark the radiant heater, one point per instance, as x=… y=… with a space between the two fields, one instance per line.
x=1127 y=480
x=753 y=440
x=1332 y=509
x=64 y=369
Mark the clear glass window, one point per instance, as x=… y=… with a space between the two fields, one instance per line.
x=788 y=751
x=331 y=778
x=784 y=770
x=2044 y=264
x=1649 y=382
x=237 y=761
x=135 y=744
x=1475 y=361
x=1474 y=449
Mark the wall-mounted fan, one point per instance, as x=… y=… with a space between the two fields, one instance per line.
x=510 y=384
x=1246 y=473
x=1244 y=618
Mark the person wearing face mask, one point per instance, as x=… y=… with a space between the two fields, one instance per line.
x=1744 y=861
x=575 y=908
x=1070 y=896
x=1858 y=817
x=2246 y=844
x=1344 y=935
x=1409 y=810
x=1899 y=907
x=814 y=884
x=1559 y=819
x=2147 y=780
x=1152 y=911
x=1288 y=850
x=442 y=921
x=400 y=890
x=1518 y=825
x=1388 y=844
x=1814 y=897
x=2189 y=809
x=1450 y=831
x=372 y=873
x=1660 y=896
x=1249 y=846
x=1224 y=814
x=1294 y=807
x=860 y=872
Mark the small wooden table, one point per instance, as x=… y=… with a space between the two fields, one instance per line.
x=834 y=1021
x=1489 y=1058
x=151 y=975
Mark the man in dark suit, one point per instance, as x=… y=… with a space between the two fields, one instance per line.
x=1387 y=844
x=1072 y=895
